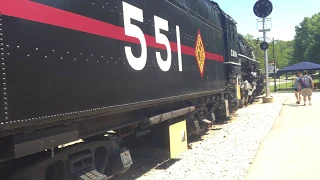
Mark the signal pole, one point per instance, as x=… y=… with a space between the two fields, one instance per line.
x=274 y=68
x=262 y=9
x=266 y=58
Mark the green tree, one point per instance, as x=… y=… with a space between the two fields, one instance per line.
x=283 y=51
x=258 y=53
x=307 y=40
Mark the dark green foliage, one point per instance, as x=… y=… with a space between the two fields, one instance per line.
x=283 y=51
x=307 y=40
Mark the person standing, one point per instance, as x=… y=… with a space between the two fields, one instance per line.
x=305 y=83
x=297 y=91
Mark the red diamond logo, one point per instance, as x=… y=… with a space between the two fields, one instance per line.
x=200 y=53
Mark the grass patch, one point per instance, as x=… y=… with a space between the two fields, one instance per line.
x=286 y=86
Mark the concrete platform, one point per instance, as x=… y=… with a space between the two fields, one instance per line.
x=291 y=151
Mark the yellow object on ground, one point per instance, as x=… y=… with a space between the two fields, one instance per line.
x=238 y=92
x=178 y=138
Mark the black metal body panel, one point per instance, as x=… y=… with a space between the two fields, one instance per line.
x=231 y=47
x=53 y=72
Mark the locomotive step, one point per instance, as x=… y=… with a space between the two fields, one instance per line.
x=89 y=174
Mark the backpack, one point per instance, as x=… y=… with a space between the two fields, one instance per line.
x=305 y=81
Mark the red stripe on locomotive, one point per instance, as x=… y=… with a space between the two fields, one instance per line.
x=32 y=11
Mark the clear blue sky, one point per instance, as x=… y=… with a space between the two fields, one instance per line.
x=285 y=16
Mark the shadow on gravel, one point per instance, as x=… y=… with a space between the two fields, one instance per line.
x=148 y=153
x=167 y=164
x=195 y=139
x=220 y=122
x=144 y=159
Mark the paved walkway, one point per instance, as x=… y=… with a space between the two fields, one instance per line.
x=291 y=151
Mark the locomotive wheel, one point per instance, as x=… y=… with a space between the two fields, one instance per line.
x=102 y=161
x=76 y=162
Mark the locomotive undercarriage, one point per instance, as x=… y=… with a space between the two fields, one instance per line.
x=93 y=160
x=104 y=155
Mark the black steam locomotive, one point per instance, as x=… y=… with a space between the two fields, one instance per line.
x=76 y=69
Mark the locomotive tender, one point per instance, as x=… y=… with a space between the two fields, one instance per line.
x=76 y=69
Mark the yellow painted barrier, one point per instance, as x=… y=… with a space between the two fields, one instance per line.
x=238 y=92
x=178 y=138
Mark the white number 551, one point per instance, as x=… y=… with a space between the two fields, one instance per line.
x=138 y=63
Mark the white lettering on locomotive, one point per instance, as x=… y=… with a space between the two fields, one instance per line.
x=162 y=24
x=138 y=63
x=179 y=47
x=234 y=53
x=131 y=12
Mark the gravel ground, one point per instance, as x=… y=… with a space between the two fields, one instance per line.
x=227 y=150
